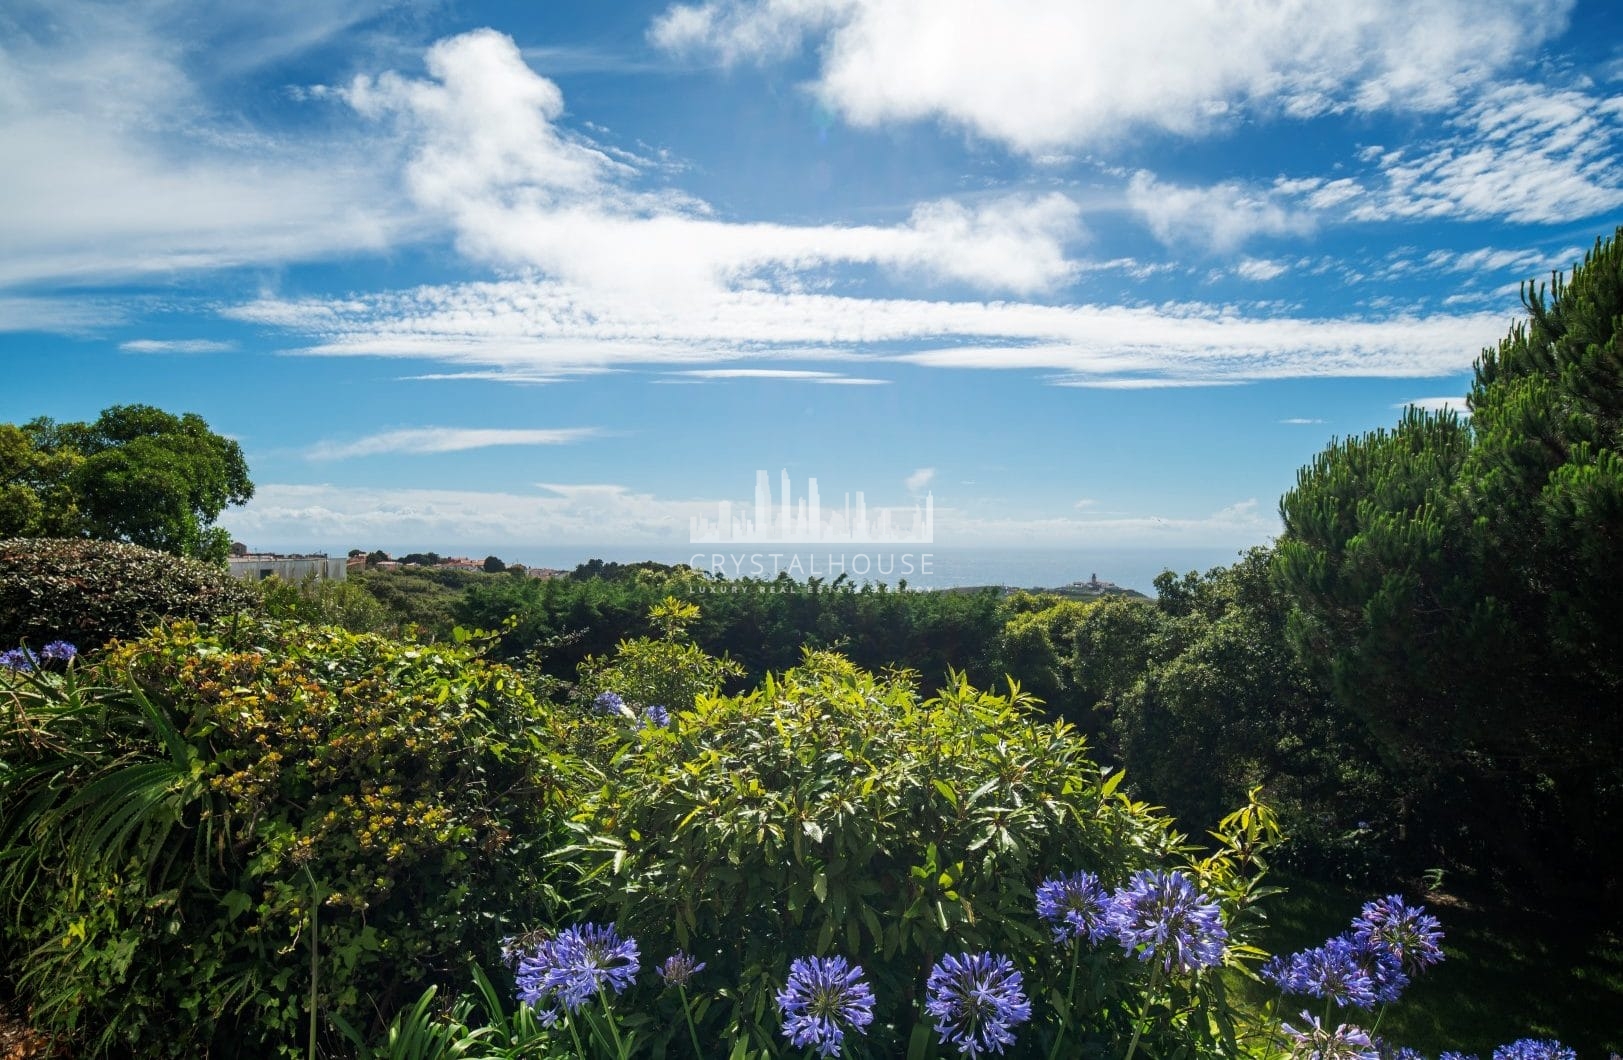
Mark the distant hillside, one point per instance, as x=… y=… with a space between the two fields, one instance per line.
x=1092 y=589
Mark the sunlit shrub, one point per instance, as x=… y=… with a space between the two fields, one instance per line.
x=180 y=814
x=835 y=812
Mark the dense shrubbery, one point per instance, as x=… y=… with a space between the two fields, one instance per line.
x=91 y=592
x=178 y=814
x=831 y=811
x=326 y=602
x=171 y=809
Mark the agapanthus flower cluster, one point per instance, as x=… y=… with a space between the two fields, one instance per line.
x=25 y=661
x=1314 y=1041
x=1343 y=970
x=59 y=651
x=824 y=999
x=1074 y=907
x=609 y=703
x=976 y=1000
x=1160 y=916
x=679 y=968
x=1368 y=965
x=575 y=965
x=656 y=717
x=1534 y=1049
x=1407 y=932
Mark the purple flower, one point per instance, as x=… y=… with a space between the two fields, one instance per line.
x=1456 y=1056
x=678 y=969
x=1161 y=915
x=20 y=659
x=1074 y=906
x=59 y=651
x=1384 y=969
x=1534 y=1049
x=609 y=703
x=976 y=999
x=1333 y=972
x=1316 y=1042
x=575 y=965
x=1408 y=932
x=1341 y=970
x=656 y=716
x=824 y=998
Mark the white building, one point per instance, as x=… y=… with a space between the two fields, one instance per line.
x=257 y=566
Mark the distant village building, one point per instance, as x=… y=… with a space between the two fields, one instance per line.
x=257 y=566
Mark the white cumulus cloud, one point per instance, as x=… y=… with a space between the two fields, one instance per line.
x=1041 y=75
x=485 y=153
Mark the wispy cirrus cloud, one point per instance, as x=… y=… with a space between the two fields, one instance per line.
x=549 y=329
x=796 y=375
x=1520 y=152
x=419 y=440
x=121 y=162
x=176 y=346
x=1219 y=217
x=1524 y=152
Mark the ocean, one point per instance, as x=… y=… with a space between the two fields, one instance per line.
x=922 y=566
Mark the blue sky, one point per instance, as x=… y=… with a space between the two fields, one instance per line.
x=1095 y=275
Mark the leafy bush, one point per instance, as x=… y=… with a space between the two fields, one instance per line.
x=195 y=819
x=90 y=592
x=325 y=602
x=831 y=811
x=667 y=671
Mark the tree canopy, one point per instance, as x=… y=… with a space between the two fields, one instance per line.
x=136 y=474
x=1456 y=581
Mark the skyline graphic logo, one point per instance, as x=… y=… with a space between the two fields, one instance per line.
x=807 y=521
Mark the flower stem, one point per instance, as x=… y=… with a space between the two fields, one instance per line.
x=687 y=1014
x=608 y=1017
x=1143 y=1016
x=580 y=1050
x=1070 y=995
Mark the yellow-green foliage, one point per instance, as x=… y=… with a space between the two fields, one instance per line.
x=669 y=670
x=1038 y=640
x=173 y=825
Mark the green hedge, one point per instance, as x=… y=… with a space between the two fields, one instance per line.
x=91 y=592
